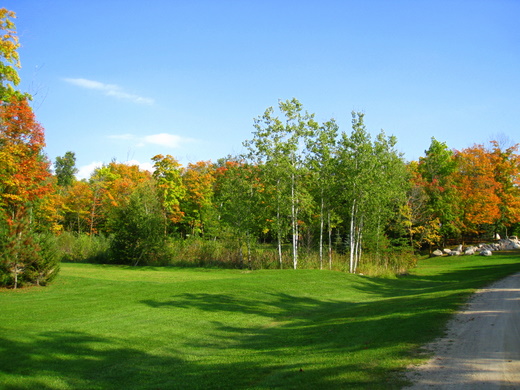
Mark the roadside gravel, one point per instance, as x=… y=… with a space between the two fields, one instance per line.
x=481 y=348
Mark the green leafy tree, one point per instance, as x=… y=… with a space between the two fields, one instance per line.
x=9 y=58
x=138 y=227
x=168 y=176
x=437 y=170
x=65 y=169
x=237 y=196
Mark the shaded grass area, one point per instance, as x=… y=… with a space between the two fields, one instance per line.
x=113 y=327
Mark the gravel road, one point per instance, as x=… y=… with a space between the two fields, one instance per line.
x=481 y=349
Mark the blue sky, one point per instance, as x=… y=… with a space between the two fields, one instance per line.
x=127 y=80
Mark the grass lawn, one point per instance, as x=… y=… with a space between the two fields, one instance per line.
x=115 y=327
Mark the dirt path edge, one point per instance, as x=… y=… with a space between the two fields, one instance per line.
x=481 y=347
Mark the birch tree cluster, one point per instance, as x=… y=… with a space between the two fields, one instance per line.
x=327 y=183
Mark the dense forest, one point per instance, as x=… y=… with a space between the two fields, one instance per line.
x=305 y=194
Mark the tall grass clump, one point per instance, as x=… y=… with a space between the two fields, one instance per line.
x=387 y=263
x=199 y=252
x=83 y=248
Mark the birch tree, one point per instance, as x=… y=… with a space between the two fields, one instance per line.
x=356 y=166
x=321 y=161
x=372 y=181
x=278 y=144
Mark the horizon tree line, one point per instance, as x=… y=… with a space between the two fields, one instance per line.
x=302 y=187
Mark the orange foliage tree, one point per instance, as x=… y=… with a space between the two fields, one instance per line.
x=24 y=172
x=477 y=188
x=197 y=205
x=488 y=184
x=78 y=202
x=507 y=176
x=111 y=187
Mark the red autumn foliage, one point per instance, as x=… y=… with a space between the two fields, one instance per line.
x=24 y=172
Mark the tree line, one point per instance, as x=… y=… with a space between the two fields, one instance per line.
x=303 y=189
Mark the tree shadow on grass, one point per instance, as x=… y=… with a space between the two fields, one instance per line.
x=327 y=338
x=77 y=360
x=324 y=338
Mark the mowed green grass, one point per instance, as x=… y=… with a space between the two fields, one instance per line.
x=115 y=327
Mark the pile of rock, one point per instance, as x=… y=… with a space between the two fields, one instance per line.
x=509 y=244
x=482 y=249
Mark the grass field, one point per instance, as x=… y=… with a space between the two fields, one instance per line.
x=114 y=327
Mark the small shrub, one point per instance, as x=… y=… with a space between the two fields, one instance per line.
x=27 y=258
x=47 y=265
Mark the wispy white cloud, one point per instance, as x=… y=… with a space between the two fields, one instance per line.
x=109 y=90
x=173 y=141
x=165 y=139
x=142 y=166
x=85 y=171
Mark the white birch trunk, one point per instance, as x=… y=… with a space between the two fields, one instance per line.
x=321 y=233
x=294 y=216
x=359 y=239
x=330 y=240
x=249 y=257
x=279 y=236
x=356 y=247
x=352 y=236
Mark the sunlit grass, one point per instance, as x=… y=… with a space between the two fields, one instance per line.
x=115 y=327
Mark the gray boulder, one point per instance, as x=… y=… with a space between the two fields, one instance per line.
x=486 y=252
x=508 y=244
x=470 y=251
